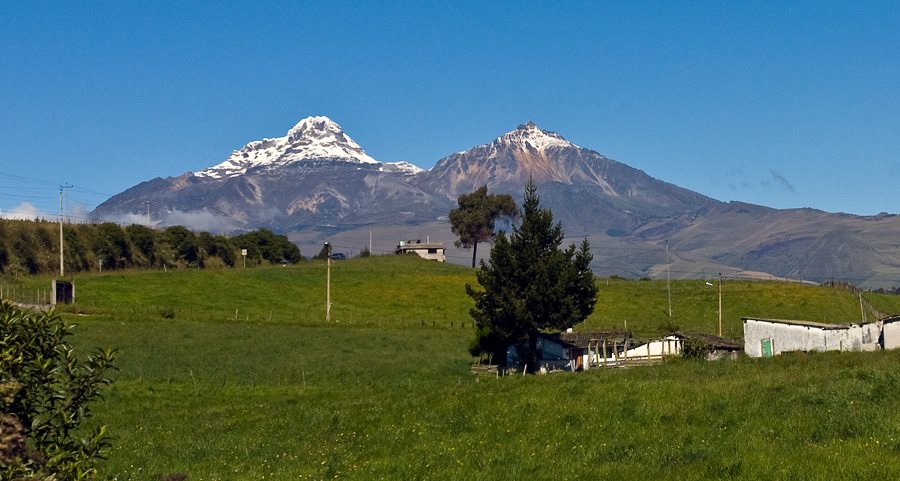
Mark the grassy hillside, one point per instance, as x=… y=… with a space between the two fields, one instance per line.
x=224 y=401
x=381 y=393
x=406 y=291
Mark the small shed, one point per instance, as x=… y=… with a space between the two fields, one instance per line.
x=571 y=351
x=770 y=337
x=427 y=250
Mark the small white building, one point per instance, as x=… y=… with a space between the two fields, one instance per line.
x=433 y=251
x=770 y=337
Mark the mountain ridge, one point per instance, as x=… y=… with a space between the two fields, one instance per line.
x=316 y=183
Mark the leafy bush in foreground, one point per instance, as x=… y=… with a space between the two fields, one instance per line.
x=45 y=395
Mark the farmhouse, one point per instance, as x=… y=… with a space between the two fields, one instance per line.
x=571 y=351
x=427 y=250
x=770 y=337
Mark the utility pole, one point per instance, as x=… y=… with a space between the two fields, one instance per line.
x=328 y=282
x=370 y=242
x=67 y=187
x=62 y=271
x=668 y=279
x=720 y=304
x=148 y=213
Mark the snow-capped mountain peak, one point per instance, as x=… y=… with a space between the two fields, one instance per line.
x=526 y=138
x=312 y=139
x=530 y=137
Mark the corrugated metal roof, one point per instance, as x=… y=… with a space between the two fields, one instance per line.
x=714 y=341
x=819 y=325
x=581 y=339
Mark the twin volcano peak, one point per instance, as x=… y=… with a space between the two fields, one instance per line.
x=320 y=139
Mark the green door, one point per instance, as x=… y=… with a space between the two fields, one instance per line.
x=767 y=350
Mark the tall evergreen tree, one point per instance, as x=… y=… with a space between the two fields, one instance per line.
x=473 y=221
x=529 y=284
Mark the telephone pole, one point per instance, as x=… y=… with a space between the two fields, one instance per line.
x=328 y=283
x=720 y=304
x=67 y=187
x=668 y=279
x=62 y=268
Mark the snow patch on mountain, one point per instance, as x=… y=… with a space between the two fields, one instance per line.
x=313 y=138
x=403 y=167
x=526 y=138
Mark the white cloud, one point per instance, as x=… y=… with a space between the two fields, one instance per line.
x=201 y=221
x=24 y=211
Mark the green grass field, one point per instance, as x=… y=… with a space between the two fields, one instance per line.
x=382 y=393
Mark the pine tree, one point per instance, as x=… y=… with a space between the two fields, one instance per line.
x=529 y=284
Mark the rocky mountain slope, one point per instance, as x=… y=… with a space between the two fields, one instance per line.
x=313 y=176
x=315 y=183
x=587 y=192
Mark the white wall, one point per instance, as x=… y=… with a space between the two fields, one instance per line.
x=794 y=337
x=423 y=253
x=891 y=332
x=670 y=345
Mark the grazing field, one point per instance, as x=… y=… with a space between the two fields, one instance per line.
x=384 y=392
x=242 y=401
x=405 y=291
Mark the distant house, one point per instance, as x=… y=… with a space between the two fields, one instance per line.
x=575 y=351
x=571 y=351
x=427 y=250
x=770 y=337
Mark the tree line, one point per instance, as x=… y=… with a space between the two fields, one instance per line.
x=32 y=247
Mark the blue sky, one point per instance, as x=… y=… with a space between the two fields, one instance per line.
x=782 y=104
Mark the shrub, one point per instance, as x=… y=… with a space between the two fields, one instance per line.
x=695 y=348
x=45 y=395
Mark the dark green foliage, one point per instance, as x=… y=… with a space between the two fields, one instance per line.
x=263 y=244
x=79 y=256
x=4 y=253
x=143 y=239
x=218 y=247
x=45 y=396
x=184 y=243
x=112 y=247
x=26 y=247
x=530 y=284
x=32 y=247
x=473 y=221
